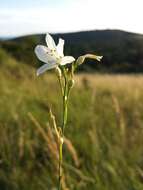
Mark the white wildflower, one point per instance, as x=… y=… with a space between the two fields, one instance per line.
x=52 y=55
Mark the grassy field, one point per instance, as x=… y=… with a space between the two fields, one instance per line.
x=104 y=145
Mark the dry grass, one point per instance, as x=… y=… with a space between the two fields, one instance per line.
x=103 y=149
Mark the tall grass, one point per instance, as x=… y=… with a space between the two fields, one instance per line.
x=103 y=149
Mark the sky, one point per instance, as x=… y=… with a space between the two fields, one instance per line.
x=23 y=17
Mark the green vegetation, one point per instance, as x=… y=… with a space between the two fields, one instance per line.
x=104 y=140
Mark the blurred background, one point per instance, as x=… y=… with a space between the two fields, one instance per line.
x=103 y=146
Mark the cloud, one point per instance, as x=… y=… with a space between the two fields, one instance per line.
x=72 y=16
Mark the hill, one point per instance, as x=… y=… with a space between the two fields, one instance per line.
x=122 y=51
x=103 y=145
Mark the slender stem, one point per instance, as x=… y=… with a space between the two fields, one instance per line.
x=65 y=112
x=65 y=102
x=60 y=163
x=61 y=85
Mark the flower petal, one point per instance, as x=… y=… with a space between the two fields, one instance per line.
x=46 y=67
x=50 y=42
x=44 y=54
x=67 y=59
x=60 y=47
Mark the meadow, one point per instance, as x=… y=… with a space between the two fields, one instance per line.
x=104 y=137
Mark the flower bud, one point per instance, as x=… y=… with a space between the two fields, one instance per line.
x=71 y=83
x=80 y=60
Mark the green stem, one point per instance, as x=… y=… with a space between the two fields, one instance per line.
x=60 y=163
x=65 y=112
x=61 y=85
x=65 y=103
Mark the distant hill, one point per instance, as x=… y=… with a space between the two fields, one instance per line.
x=122 y=51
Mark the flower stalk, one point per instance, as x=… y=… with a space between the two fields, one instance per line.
x=65 y=94
x=53 y=57
x=60 y=163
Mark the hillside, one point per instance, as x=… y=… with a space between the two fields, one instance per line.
x=104 y=131
x=122 y=51
x=103 y=144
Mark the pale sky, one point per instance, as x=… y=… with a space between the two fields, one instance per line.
x=21 y=17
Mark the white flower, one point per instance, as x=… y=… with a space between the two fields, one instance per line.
x=52 y=55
